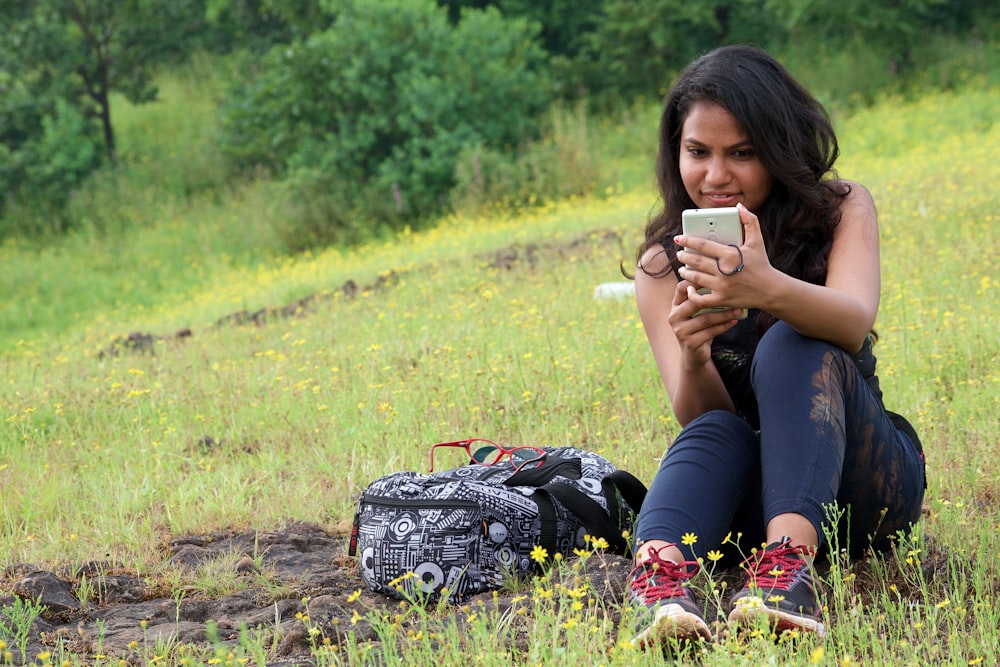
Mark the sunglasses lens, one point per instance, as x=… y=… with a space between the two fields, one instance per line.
x=487 y=455
x=525 y=458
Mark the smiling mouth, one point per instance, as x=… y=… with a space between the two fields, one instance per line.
x=721 y=197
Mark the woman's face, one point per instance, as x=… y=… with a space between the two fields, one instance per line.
x=718 y=164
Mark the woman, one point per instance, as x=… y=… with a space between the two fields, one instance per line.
x=786 y=442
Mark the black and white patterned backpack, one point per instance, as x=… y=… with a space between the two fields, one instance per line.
x=464 y=530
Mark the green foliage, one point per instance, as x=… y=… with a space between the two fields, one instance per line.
x=610 y=49
x=563 y=21
x=16 y=620
x=43 y=171
x=563 y=164
x=256 y=25
x=849 y=79
x=369 y=114
x=372 y=113
x=60 y=62
x=893 y=29
x=47 y=147
x=65 y=153
x=638 y=42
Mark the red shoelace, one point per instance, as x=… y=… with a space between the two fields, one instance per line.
x=776 y=567
x=657 y=578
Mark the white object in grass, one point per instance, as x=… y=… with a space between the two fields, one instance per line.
x=620 y=290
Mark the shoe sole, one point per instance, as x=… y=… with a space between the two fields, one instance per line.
x=672 y=621
x=780 y=619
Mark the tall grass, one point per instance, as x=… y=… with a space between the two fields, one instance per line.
x=482 y=326
x=858 y=75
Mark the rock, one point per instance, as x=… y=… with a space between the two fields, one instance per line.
x=246 y=566
x=47 y=589
x=117 y=589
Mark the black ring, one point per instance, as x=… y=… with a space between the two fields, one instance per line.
x=739 y=267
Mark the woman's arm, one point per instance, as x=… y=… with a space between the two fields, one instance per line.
x=842 y=311
x=681 y=343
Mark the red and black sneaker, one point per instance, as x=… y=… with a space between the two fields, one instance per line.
x=780 y=589
x=665 y=605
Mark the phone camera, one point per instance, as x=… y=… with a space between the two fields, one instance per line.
x=711 y=222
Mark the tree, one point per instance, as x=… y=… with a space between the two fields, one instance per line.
x=257 y=25
x=60 y=60
x=638 y=45
x=563 y=22
x=897 y=27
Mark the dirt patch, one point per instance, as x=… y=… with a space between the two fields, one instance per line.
x=295 y=587
x=281 y=576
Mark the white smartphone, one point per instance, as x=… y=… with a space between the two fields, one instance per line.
x=721 y=225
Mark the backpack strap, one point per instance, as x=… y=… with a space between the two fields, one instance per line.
x=547 y=517
x=590 y=513
x=630 y=488
x=623 y=486
x=601 y=523
x=571 y=468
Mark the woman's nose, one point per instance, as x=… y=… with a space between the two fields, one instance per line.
x=717 y=172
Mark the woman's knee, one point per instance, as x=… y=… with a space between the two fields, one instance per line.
x=717 y=422
x=718 y=432
x=782 y=348
x=781 y=340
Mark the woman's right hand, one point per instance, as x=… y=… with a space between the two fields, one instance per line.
x=695 y=333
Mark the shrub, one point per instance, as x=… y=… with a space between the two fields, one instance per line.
x=41 y=172
x=562 y=164
x=376 y=109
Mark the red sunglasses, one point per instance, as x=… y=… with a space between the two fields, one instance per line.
x=490 y=453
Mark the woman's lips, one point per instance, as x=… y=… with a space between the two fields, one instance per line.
x=722 y=199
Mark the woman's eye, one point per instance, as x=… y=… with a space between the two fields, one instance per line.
x=743 y=154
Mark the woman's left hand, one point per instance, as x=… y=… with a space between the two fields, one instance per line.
x=737 y=277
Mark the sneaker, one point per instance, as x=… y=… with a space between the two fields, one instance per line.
x=667 y=608
x=779 y=588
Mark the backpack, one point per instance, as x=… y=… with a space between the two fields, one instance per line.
x=463 y=531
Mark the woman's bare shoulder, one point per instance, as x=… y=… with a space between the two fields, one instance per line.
x=857 y=195
x=858 y=217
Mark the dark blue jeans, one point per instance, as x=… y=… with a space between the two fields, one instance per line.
x=827 y=450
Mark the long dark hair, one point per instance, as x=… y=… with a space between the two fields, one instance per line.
x=794 y=139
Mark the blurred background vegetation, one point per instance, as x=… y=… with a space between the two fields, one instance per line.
x=347 y=120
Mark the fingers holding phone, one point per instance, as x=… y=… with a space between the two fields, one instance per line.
x=695 y=334
x=712 y=238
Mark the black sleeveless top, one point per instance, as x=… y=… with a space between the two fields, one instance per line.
x=733 y=353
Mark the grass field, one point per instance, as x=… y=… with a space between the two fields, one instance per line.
x=481 y=327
